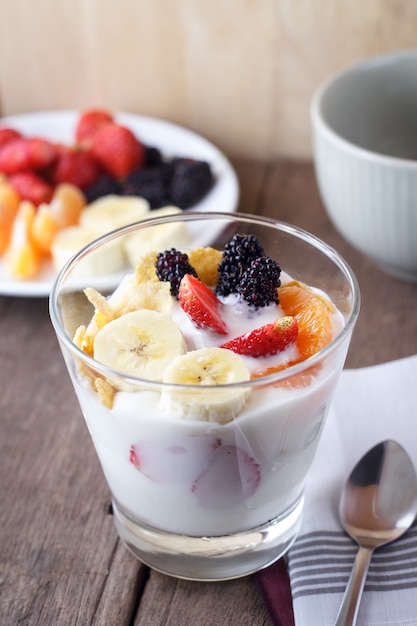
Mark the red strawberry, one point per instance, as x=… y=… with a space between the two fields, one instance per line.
x=26 y=154
x=75 y=166
x=40 y=152
x=170 y=461
x=118 y=150
x=89 y=123
x=133 y=457
x=201 y=304
x=7 y=134
x=31 y=187
x=14 y=157
x=265 y=340
x=230 y=477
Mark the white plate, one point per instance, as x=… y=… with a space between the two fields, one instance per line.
x=171 y=139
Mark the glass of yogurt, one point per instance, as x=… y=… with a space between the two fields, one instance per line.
x=204 y=349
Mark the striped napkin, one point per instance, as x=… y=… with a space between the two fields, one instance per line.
x=370 y=405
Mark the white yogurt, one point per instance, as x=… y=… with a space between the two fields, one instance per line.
x=204 y=479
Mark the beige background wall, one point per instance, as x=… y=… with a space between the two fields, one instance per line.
x=240 y=72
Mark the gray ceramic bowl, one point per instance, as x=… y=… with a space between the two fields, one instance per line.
x=364 y=122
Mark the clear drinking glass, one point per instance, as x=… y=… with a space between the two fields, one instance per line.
x=196 y=498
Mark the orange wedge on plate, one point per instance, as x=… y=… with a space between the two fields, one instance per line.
x=21 y=257
x=9 y=205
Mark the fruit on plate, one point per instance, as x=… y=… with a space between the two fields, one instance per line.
x=63 y=211
x=24 y=154
x=9 y=206
x=101 y=262
x=8 y=134
x=89 y=122
x=76 y=166
x=27 y=231
x=117 y=150
x=107 y=214
x=105 y=159
x=157 y=238
x=111 y=212
x=22 y=259
x=30 y=186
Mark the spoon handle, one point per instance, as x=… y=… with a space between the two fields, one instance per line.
x=350 y=604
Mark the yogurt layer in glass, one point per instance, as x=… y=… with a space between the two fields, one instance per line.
x=207 y=478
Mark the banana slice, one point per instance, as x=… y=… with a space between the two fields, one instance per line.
x=141 y=344
x=110 y=212
x=161 y=237
x=207 y=367
x=107 y=259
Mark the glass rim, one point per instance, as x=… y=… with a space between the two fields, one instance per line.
x=281 y=226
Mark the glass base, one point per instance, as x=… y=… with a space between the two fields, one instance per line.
x=210 y=558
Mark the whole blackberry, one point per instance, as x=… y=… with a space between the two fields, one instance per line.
x=260 y=282
x=171 y=266
x=153 y=156
x=106 y=185
x=237 y=256
x=190 y=180
x=150 y=183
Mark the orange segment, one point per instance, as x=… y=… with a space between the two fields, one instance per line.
x=67 y=203
x=21 y=257
x=9 y=205
x=303 y=379
x=314 y=314
x=44 y=228
x=64 y=210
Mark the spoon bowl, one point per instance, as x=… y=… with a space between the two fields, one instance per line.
x=378 y=504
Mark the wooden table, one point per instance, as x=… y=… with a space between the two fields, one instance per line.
x=60 y=559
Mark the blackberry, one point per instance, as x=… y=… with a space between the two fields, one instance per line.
x=150 y=183
x=260 y=282
x=106 y=185
x=153 y=156
x=171 y=266
x=236 y=258
x=190 y=180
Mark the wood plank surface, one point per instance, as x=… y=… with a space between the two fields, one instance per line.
x=240 y=73
x=60 y=559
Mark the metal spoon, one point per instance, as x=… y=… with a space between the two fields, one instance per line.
x=378 y=504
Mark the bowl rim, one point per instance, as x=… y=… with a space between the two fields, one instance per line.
x=320 y=124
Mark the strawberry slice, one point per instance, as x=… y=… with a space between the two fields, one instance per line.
x=201 y=304
x=173 y=460
x=265 y=340
x=231 y=476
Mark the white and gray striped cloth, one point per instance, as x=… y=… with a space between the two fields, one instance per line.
x=370 y=405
